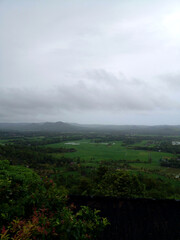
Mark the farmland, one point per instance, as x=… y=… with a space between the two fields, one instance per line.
x=91 y=152
x=86 y=152
x=73 y=158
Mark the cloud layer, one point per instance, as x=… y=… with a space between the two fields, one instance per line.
x=98 y=90
x=90 y=61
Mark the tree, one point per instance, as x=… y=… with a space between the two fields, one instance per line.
x=119 y=184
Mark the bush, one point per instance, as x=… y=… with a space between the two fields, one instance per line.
x=32 y=208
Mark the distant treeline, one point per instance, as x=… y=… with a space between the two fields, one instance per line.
x=163 y=146
x=174 y=163
x=32 y=156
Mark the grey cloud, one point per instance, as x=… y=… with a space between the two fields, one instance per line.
x=171 y=81
x=63 y=58
x=86 y=96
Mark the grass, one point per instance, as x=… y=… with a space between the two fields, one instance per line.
x=146 y=143
x=3 y=141
x=87 y=150
x=91 y=154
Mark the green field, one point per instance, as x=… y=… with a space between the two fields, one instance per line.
x=3 y=141
x=92 y=152
x=72 y=159
x=108 y=151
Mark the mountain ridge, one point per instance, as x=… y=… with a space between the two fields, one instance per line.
x=64 y=127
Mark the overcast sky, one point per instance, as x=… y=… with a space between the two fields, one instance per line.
x=90 y=61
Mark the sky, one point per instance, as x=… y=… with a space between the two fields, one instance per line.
x=90 y=61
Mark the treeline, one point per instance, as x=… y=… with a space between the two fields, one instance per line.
x=166 y=146
x=43 y=141
x=174 y=163
x=43 y=138
x=33 y=156
x=162 y=146
x=106 y=181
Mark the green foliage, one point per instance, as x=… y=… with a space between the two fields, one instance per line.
x=64 y=224
x=127 y=184
x=22 y=190
x=170 y=162
x=26 y=155
x=119 y=184
x=16 y=186
x=48 y=195
x=77 y=168
x=84 y=224
x=85 y=186
x=101 y=171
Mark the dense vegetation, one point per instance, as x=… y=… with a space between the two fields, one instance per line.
x=41 y=170
x=35 y=208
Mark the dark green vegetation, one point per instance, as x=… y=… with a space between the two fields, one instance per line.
x=39 y=169
x=35 y=208
x=73 y=160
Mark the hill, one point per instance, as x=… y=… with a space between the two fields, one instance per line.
x=63 y=127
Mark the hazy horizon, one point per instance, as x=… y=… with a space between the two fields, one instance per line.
x=90 y=62
x=98 y=124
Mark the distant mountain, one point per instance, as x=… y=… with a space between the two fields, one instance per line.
x=135 y=129
x=63 y=127
x=47 y=127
